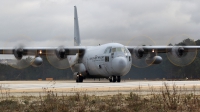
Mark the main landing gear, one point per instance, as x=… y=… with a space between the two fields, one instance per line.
x=115 y=78
x=79 y=78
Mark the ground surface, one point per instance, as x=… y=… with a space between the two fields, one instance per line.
x=92 y=87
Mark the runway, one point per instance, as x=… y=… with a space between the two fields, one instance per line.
x=93 y=87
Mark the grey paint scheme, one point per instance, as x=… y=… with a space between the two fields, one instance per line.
x=96 y=65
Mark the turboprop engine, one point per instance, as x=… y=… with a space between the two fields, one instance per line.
x=181 y=55
x=142 y=57
x=60 y=53
x=178 y=51
x=18 y=53
x=140 y=52
x=22 y=57
x=37 y=62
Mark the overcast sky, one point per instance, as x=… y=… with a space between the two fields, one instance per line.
x=51 y=22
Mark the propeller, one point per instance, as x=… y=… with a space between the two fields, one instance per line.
x=59 y=57
x=18 y=57
x=139 y=54
x=179 y=54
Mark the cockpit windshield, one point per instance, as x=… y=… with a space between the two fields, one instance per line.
x=116 y=49
x=120 y=49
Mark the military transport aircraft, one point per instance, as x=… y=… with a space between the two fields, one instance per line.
x=110 y=61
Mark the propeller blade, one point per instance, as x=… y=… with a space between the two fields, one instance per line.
x=18 y=57
x=60 y=63
x=139 y=54
x=58 y=57
x=179 y=55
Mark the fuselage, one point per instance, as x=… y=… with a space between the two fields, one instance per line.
x=106 y=60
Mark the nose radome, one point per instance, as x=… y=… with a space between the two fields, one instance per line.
x=119 y=64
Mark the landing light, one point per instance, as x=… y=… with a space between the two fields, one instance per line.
x=40 y=52
x=152 y=50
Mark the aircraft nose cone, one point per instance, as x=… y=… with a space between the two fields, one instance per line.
x=119 y=64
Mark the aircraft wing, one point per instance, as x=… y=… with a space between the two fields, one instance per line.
x=164 y=49
x=144 y=56
x=43 y=50
x=59 y=57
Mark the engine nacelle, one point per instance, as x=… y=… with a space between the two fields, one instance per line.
x=18 y=53
x=139 y=52
x=154 y=60
x=60 y=53
x=178 y=51
x=37 y=62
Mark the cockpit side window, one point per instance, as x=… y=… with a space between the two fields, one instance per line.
x=113 y=50
x=108 y=50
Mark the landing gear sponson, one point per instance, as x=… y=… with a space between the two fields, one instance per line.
x=115 y=78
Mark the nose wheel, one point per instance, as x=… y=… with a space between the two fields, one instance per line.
x=115 y=79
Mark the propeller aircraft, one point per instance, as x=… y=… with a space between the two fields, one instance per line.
x=111 y=60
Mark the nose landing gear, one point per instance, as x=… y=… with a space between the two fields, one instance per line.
x=115 y=78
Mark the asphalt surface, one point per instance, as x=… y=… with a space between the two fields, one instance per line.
x=95 y=87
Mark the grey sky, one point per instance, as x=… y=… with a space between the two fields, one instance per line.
x=50 y=22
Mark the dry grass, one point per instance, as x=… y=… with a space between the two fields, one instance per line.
x=170 y=99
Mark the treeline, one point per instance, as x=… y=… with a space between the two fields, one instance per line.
x=164 y=70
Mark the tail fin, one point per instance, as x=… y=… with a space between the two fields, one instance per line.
x=77 y=41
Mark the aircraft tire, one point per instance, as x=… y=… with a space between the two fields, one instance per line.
x=110 y=79
x=118 y=79
x=113 y=78
x=79 y=79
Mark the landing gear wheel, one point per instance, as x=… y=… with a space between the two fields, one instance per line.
x=110 y=79
x=113 y=78
x=79 y=78
x=118 y=79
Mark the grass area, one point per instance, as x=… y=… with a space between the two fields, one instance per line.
x=169 y=99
